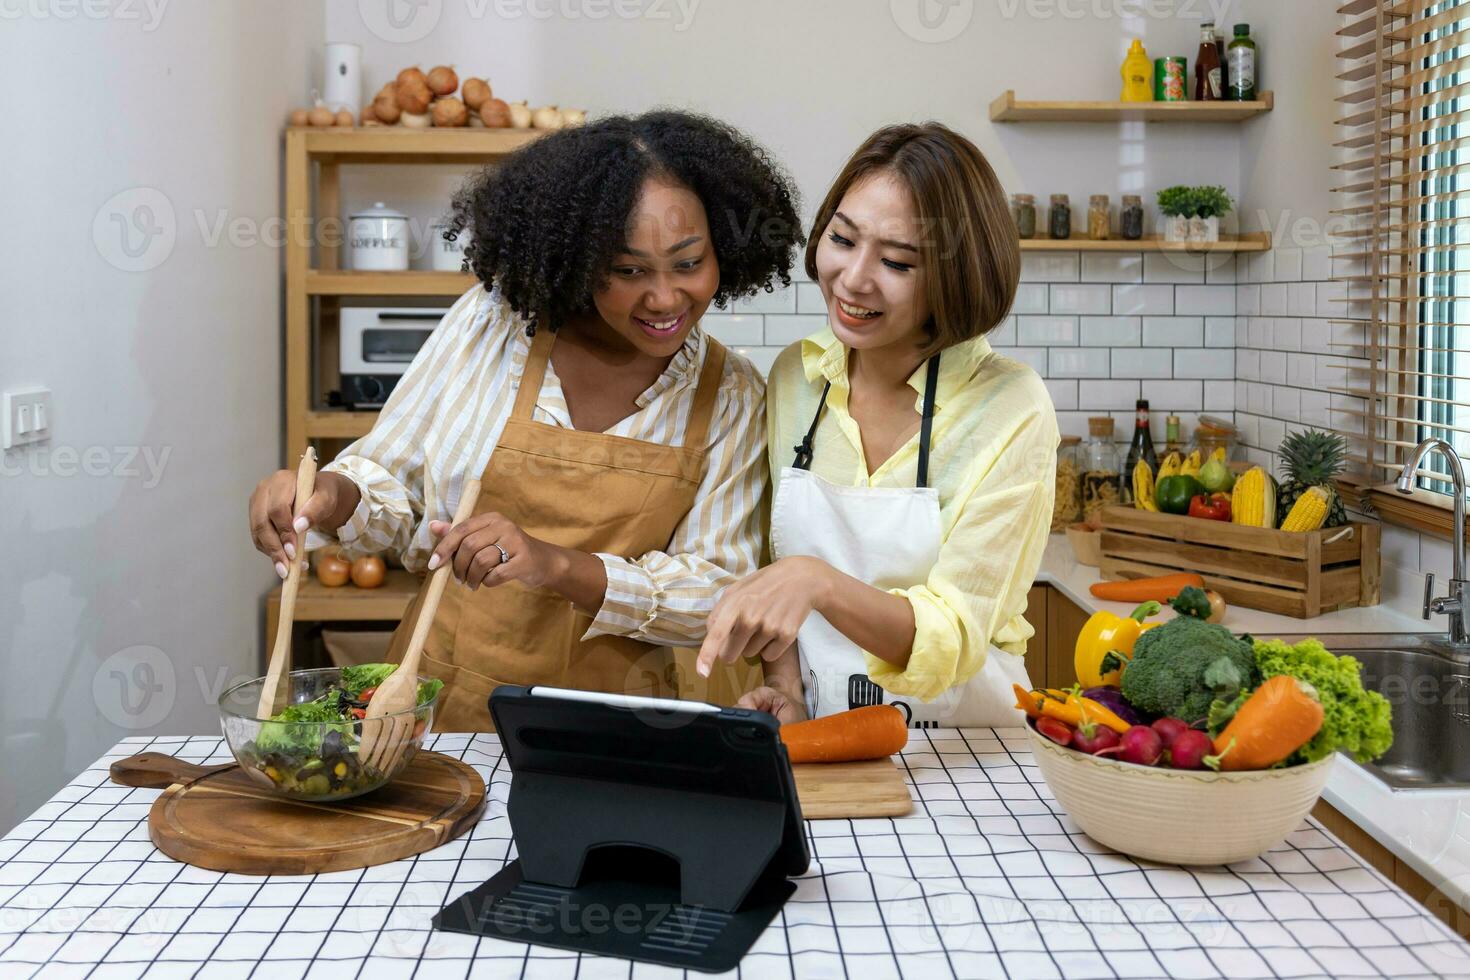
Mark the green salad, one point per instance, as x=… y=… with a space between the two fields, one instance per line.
x=309 y=749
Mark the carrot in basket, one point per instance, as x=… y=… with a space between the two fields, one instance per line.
x=1274 y=722
x=1159 y=588
x=872 y=732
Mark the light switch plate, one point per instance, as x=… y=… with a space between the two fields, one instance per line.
x=25 y=417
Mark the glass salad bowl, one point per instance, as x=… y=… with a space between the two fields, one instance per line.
x=310 y=750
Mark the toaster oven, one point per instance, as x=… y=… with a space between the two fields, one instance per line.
x=377 y=345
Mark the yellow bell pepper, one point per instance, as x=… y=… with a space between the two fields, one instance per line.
x=1106 y=632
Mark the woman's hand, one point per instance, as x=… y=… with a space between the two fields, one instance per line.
x=274 y=529
x=786 y=709
x=760 y=615
x=490 y=550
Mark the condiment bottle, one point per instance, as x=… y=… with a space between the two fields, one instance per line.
x=1137 y=72
x=1207 y=86
x=1131 y=218
x=1100 y=484
x=1241 y=59
x=1099 y=218
x=1023 y=209
x=1060 y=217
x=1171 y=435
x=1068 y=506
x=1142 y=448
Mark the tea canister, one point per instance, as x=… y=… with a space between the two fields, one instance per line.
x=379 y=239
x=447 y=256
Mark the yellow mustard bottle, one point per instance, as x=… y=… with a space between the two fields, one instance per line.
x=1137 y=72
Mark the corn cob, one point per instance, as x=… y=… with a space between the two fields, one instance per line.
x=1309 y=511
x=1191 y=465
x=1170 y=466
x=1143 y=486
x=1253 y=502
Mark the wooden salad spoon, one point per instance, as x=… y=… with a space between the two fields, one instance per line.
x=275 y=692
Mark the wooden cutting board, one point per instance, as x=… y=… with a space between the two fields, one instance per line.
x=216 y=817
x=836 y=790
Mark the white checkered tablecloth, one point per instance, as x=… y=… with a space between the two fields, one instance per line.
x=986 y=877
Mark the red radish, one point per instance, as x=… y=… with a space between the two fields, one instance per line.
x=1141 y=745
x=1058 y=731
x=1189 y=749
x=1169 y=729
x=1094 y=738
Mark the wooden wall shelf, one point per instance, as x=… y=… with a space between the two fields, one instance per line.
x=1007 y=108
x=395 y=144
x=412 y=283
x=1253 y=242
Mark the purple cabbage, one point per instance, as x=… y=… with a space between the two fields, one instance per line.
x=1112 y=699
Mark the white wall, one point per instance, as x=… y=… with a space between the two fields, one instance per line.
x=122 y=578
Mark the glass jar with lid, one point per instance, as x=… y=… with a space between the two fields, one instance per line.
x=1060 y=217
x=1099 y=217
x=1131 y=218
x=1023 y=209
x=1068 y=507
x=1101 y=486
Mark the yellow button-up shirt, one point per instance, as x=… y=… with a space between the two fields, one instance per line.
x=993 y=462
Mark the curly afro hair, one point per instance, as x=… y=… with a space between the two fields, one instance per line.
x=548 y=220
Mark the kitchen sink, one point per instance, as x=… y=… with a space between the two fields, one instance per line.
x=1429 y=688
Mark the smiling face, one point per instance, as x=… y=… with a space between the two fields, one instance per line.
x=868 y=266
x=664 y=280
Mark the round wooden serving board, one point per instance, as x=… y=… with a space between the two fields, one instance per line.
x=216 y=817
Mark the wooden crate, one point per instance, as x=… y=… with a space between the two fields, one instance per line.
x=1301 y=574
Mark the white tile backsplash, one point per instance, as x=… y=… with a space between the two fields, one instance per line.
x=1050 y=266
x=809 y=298
x=1174 y=267
x=1046 y=331
x=1143 y=300
x=1220 y=331
x=779 y=301
x=1143 y=362
x=1031 y=298
x=1112 y=267
x=735 y=330
x=1091 y=298
x=1205 y=300
x=784 y=330
x=1079 y=362
x=1111 y=331
x=1105 y=396
x=1288 y=265
x=1173 y=331
x=1203 y=362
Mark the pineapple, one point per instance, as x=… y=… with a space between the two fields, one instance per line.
x=1311 y=459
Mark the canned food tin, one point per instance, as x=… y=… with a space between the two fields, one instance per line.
x=1169 y=76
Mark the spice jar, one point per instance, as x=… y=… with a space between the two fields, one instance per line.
x=1060 y=217
x=1099 y=220
x=1068 y=507
x=1132 y=217
x=1100 y=482
x=1023 y=209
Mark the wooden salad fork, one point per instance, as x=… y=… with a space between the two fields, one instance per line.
x=384 y=738
x=275 y=693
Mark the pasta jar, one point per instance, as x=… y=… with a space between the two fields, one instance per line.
x=1068 y=507
x=1061 y=216
x=1023 y=209
x=1099 y=219
x=1132 y=217
x=1101 y=486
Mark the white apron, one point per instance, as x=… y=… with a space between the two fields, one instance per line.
x=889 y=538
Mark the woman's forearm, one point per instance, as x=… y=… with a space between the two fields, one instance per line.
x=576 y=576
x=877 y=621
x=346 y=496
x=784 y=674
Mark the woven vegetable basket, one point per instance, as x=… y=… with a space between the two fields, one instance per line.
x=1175 y=816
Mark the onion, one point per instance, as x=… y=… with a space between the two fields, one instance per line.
x=495 y=113
x=476 y=93
x=368 y=572
x=332 y=570
x=414 y=97
x=321 y=116
x=344 y=118
x=385 y=107
x=299 y=117
x=412 y=75
x=547 y=117
x=574 y=117
x=520 y=115
x=416 y=120
x=443 y=81
x=449 y=111
x=370 y=123
x=368 y=115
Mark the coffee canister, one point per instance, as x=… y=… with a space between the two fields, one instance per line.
x=379 y=239
x=446 y=256
x=342 y=88
x=1169 y=79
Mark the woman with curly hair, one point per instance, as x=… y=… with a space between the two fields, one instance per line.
x=620 y=449
x=916 y=465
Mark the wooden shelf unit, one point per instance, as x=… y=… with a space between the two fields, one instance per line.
x=1252 y=242
x=314 y=158
x=1007 y=108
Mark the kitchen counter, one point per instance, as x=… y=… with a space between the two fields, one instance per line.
x=1428 y=829
x=986 y=877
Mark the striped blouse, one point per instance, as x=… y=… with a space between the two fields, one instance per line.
x=445 y=417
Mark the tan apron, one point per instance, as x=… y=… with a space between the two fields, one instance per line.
x=584 y=490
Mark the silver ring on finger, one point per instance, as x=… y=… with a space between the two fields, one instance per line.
x=503 y=556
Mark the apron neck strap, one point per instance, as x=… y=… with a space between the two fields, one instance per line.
x=533 y=373
x=703 y=410
x=804 y=451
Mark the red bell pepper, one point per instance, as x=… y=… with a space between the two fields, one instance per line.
x=1213 y=508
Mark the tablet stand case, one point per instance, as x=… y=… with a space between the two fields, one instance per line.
x=679 y=877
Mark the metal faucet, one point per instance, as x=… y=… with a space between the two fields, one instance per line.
x=1454 y=605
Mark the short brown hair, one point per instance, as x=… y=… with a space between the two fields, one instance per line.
x=970 y=250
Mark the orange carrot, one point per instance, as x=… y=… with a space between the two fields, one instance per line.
x=1274 y=722
x=1027 y=701
x=1160 y=588
x=873 y=732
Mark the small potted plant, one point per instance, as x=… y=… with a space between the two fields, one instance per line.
x=1192 y=214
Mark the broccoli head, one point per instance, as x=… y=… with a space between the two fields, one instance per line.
x=1180 y=668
